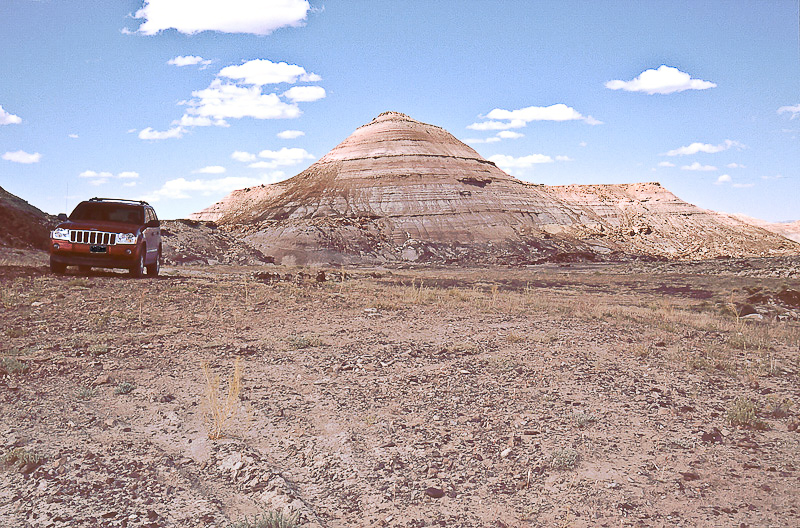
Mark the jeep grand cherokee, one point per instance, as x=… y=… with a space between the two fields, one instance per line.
x=108 y=233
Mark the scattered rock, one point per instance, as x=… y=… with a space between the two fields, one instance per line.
x=436 y=493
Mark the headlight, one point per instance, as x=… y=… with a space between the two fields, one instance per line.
x=126 y=238
x=60 y=234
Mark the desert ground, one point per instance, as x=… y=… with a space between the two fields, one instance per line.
x=566 y=395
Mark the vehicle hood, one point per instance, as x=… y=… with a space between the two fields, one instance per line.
x=111 y=227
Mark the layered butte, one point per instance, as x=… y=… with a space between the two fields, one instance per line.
x=399 y=189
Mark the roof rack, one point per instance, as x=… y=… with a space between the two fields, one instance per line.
x=96 y=199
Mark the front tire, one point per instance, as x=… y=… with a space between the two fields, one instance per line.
x=137 y=271
x=155 y=267
x=57 y=267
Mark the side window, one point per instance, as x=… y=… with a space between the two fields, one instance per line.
x=153 y=214
x=148 y=215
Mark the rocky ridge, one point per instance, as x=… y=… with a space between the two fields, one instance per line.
x=401 y=190
x=22 y=225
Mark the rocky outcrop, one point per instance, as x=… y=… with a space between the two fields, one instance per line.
x=398 y=189
x=194 y=242
x=21 y=224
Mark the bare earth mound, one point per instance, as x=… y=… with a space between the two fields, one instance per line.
x=400 y=190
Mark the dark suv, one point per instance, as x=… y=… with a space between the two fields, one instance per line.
x=108 y=233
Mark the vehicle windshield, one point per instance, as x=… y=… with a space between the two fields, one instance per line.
x=108 y=212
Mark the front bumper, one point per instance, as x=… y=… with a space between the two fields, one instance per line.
x=69 y=254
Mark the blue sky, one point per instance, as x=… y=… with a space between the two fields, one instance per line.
x=181 y=101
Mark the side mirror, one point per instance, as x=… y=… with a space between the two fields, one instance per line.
x=62 y=217
x=153 y=223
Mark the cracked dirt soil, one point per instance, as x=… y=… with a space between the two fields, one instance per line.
x=574 y=395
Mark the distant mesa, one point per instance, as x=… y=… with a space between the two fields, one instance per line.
x=400 y=190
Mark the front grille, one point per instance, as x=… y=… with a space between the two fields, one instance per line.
x=92 y=237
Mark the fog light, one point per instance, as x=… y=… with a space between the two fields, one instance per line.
x=55 y=246
x=127 y=251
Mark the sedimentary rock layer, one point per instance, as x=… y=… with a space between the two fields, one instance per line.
x=398 y=189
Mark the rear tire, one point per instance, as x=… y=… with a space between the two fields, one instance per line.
x=57 y=267
x=138 y=270
x=155 y=267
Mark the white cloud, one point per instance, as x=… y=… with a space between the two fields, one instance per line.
x=93 y=174
x=698 y=167
x=744 y=185
x=563 y=158
x=500 y=119
x=497 y=125
x=72 y=136
x=735 y=166
x=262 y=71
x=258 y=17
x=510 y=163
x=793 y=110
x=193 y=121
x=305 y=94
x=582 y=143
x=664 y=80
x=181 y=188
x=281 y=158
x=242 y=156
x=237 y=92
x=694 y=148
x=188 y=60
x=222 y=100
x=100 y=178
x=666 y=164
x=174 y=132
x=8 y=119
x=725 y=178
x=211 y=169
x=776 y=177
x=20 y=156
x=508 y=134
x=493 y=139
x=291 y=134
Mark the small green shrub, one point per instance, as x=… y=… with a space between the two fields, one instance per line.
x=15 y=332
x=85 y=393
x=273 y=519
x=564 y=458
x=97 y=350
x=780 y=408
x=124 y=387
x=744 y=413
x=79 y=283
x=12 y=366
x=582 y=419
x=302 y=341
x=20 y=456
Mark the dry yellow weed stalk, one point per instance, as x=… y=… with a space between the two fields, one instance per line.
x=220 y=410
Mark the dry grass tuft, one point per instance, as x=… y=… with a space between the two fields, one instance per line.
x=221 y=409
x=744 y=413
